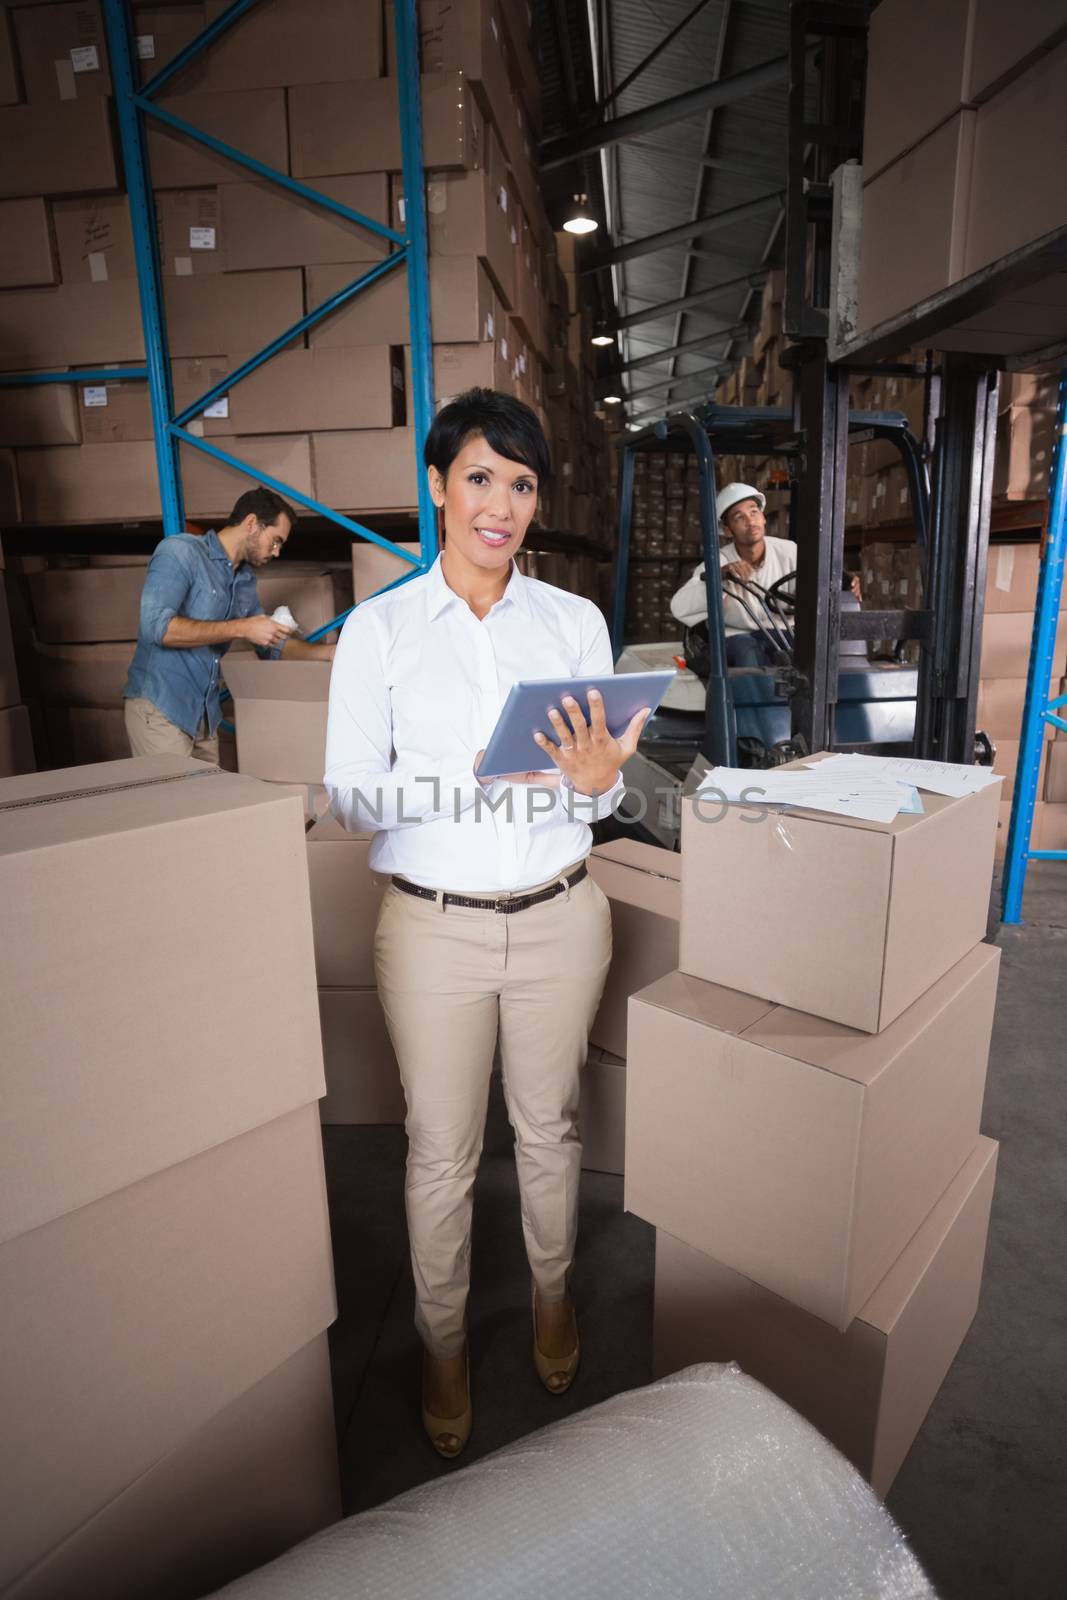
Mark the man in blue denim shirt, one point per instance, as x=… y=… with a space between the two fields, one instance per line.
x=199 y=596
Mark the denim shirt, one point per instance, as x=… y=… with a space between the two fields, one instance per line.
x=189 y=575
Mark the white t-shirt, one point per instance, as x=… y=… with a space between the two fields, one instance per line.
x=690 y=605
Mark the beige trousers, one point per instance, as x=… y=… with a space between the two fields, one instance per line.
x=152 y=734
x=452 y=983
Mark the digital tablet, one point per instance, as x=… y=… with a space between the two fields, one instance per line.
x=512 y=748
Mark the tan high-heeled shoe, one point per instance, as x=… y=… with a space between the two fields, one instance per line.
x=555 y=1372
x=448 y=1435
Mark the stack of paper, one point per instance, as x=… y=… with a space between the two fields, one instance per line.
x=870 y=788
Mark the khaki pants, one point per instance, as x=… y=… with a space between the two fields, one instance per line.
x=152 y=734
x=451 y=983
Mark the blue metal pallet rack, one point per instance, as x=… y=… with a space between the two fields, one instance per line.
x=408 y=249
x=1038 y=708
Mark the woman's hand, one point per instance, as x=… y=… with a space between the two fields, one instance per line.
x=588 y=755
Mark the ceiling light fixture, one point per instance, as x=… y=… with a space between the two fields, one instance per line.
x=613 y=399
x=581 y=220
x=603 y=338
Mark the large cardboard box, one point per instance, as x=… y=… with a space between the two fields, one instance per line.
x=27 y=249
x=1007 y=762
x=160 y=31
x=280 y=714
x=799 y=1152
x=41 y=414
x=272 y=45
x=315 y=390
x=267 y=227
x=251 y=120
x=464 y=307
x=924 y=196
x=868 y=1388
x=212 y=488
x=470 y=213
x=1025 y=445
x=355 y=127
x=362 y=1077
x=16 y=742
x=1006 y=638
x=130 y=1322
x=94 y=238
x=925 y=48
x=472 y=39
x=231 y=310
x=374 y=469
x=1003 y=41
x=246 y=1485
x=57 y=149
x=81 y=735
x=459 y=367
x=643 y=884
x=373 y=568
x=86 y=605
x=189 y=227
x=602 y=1112
x=82 y=674
x=866 y=915
x=1000 y=707
x=116 y=412
x=104 y=844
x=1018 y=194
x=97 y=483
x=62 y=50
x=345 y=899
x=1011 y=577
x=74 y=324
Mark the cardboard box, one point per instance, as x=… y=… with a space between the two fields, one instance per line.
x=27 y=249
x=374 y=568
x=120 y=411
x=345 y=899
x=251 y=120
x=868 y=1388
x=1002 y=44
x=1007 y=762
x=1026 y=443
x=160 y=31
x=362 y=1078
x=83 y=674
x=94 y=238
x=280 y=715
x=925 y=47
x=246 y=1485
x=459 y=367
x=372 y=470
x=57 y=149
x=273 y=46
x=870 y=913
x=74 y=324
x=190 y=232
x=63 y=51
x=16 y=742
x=82 y=735
x=1006 y=640
x=1011 y=577
x=794 y=1150
x=266 y=227
x=322 y=389
x=98 y=483
x=231 y=310
x=124 y=836
x=40 y=414
x=926 y=197
x=1017 y=194
x=86 y=605
x=314 y=594
x=471 y=39
x=464 y=307
x=130 y=1322
x=469 y=212
x=212 y=488
x=602 y=1112
x=643 y=884
x=1000 y=707
x=355 y=127
x=1055 y=790
x=1051 y=828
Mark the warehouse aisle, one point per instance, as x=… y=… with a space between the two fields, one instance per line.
x=980 y=1494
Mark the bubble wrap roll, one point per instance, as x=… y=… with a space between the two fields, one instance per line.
x=705 y=1485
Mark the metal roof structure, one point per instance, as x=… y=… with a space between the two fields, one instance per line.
x=722 y=165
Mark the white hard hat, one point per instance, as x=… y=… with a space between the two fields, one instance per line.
x=732 y=494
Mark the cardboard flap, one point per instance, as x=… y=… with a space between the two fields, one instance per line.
x=327 y=830
x=641 y=857
x=727 y=1010
x=253 y=679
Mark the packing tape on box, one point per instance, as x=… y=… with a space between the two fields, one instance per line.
x=704 y=1485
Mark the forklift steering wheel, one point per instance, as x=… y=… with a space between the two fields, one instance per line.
x=782 y=599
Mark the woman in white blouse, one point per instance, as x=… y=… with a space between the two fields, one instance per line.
x=491 y=930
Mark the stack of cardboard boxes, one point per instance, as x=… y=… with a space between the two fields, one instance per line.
x=242 y=261
x=760 y=379
x=665 y=542
x=945 y=166
x=16 y=742
x=165 y=1265
x=803 y=1105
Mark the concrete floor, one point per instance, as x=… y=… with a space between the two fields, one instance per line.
x=982 y=1493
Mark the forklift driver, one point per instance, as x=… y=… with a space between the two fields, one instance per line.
x=752 y=556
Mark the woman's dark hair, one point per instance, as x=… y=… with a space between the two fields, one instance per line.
x=508 y=426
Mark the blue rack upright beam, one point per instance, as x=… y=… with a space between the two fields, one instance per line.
x=1038 y=709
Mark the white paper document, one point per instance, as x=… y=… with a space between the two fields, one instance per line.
x=867 y=798
x=937 y=777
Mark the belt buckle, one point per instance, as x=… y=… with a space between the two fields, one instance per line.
x=503 y=902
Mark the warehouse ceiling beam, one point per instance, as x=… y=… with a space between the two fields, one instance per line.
x=720 y=92
x=685 y=231
x=655 y=52
x=753 y=280
x=703 y=375
x=689 y=347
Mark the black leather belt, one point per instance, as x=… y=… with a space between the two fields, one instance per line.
x=504 y=903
